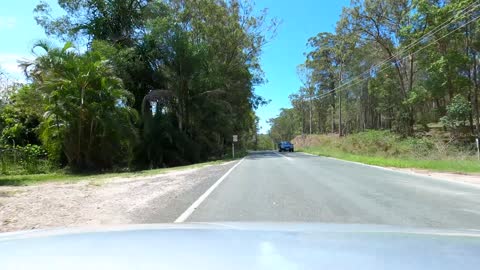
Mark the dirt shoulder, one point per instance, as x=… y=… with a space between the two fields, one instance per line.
x=95 y=202
x=459 y=177
x=469 y=178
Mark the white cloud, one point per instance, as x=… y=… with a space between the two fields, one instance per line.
x=7 y=22
x=9 y=64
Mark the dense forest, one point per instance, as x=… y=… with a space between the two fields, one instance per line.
x=136 y=84
x=399 y=65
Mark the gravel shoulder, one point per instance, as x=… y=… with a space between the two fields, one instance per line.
x=459 y=177
x=106 y=202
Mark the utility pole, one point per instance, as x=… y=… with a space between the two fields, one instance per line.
x=333 y=112
x=311 y=97
x=340 y=114
x=340 y=104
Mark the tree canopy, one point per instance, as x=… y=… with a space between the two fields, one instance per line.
x=141 y=84
x=391 y=64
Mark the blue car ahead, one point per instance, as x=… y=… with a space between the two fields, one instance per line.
x=285 y=146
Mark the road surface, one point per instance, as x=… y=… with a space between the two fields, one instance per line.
x=296 y=187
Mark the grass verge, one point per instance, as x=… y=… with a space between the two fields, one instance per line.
x=385 y=148
x=457 y=166
x=21 y=180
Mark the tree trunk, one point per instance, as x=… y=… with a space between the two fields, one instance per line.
x=320 y=126
x=340 y=103
x=475 y=94
x=340 y=114
x=310 y=131
x=333 y=113
x=472 y=75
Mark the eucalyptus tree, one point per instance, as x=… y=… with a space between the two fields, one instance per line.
x=398 y=65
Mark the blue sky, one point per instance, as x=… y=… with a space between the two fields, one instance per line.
x=18 y=32
x=301 y=19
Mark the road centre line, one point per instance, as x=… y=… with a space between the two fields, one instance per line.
x=197 y=203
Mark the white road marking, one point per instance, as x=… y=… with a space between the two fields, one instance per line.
x=283 y=155
x=477 y=186
x=197 y=203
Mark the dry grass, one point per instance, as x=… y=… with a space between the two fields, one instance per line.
x=384 y=148
x=21 y=180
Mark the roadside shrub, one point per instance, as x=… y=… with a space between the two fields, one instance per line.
x=416 y=147
x=27 y=159
x=34 y=158
x=383 y=143
x=458 y=112
x=371 y=142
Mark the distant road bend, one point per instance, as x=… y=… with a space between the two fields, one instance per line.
x=297 y=187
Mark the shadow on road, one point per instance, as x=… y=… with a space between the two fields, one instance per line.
x=262 y=155
x=275 y=154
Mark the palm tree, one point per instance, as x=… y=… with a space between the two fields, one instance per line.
x=87 y=114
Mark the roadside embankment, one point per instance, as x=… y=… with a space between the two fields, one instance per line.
x=387 y=149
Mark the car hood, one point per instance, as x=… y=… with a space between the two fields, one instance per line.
x=241 y=246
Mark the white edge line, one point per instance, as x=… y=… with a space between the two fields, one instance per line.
x=283 y=155
x=362 y=164
x=398 y=171
x=197 y=203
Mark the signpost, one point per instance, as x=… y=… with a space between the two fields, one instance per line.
x=234 y=140
x=478 y=148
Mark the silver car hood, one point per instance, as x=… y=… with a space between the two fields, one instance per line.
x=241 y=246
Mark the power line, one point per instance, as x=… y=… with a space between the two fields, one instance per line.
x=426 y=46
x=430 y=33
x=392 y=57
x=433 y=31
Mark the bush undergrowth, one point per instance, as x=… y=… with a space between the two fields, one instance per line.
x=385 y=148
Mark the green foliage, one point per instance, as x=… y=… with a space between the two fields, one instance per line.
x=385 y=148
x=458 y=112
x=393 y=65
x=459 y=109
x=20 y=118
x=26 y=159
x=456 y=166
x=115 y=21
x=86 y=110
x=161 y=83
x=265 y=142
x=33 y=155
x=285 y=127
x=386 y=143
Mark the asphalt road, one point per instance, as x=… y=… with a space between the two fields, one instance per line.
x=296 y=187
